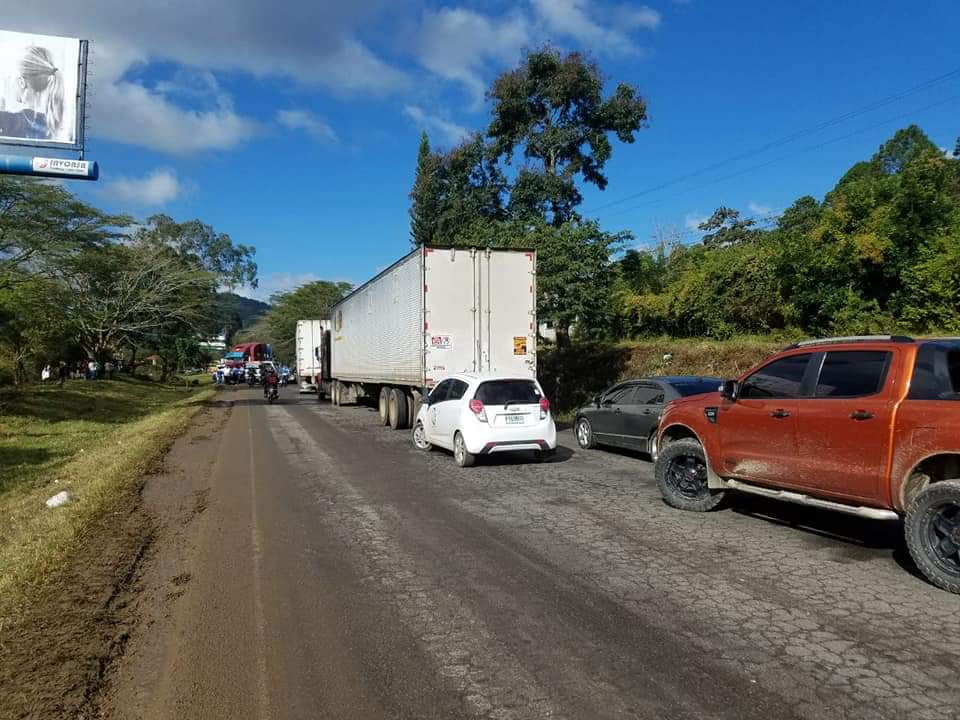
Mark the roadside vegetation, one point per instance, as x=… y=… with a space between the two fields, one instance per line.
x=93 y=440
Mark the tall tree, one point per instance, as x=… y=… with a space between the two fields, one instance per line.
x=552 y=110
x=725 y=227
x=425 y=197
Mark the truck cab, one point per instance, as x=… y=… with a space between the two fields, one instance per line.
x=868 y=426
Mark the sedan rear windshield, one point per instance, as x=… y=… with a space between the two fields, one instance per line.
x=700 y=387
x=507 y=392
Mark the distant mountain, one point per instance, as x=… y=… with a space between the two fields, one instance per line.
x=239 y=312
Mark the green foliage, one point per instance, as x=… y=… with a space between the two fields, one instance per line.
x=879 y=255
x=278 y=326
x=425 y=197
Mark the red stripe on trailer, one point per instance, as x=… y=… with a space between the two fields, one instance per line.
x=531 y=326
x=531 y=289
x=426 y=325
x=529 y=255
x=424 y=287
x=427 y=251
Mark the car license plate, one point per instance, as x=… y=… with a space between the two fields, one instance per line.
x=514 y=419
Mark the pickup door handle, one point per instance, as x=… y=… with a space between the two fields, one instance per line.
x=861 y=415
x=780 y=413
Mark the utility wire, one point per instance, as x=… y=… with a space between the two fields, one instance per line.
x=785 y=139
x=800 y=151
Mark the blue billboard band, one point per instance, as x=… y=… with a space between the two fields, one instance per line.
x=49 y=167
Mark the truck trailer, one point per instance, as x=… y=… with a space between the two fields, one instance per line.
x=309 y=353
x=436 y=311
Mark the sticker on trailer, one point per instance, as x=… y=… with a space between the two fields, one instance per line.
x=520 y=345
x=441 y=342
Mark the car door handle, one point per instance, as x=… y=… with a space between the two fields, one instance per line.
x=780 y=413
x=861 y=415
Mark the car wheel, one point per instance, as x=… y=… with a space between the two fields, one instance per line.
x=462 y=456
x=398 y=409
x=652 y=446
x=681 y=473
x=384 y=405
x=932 y=532
x=584 y=432
x=420 y=438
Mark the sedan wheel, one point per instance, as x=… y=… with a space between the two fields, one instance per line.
x=584 y=433
x=420 y=438
x=462 y=456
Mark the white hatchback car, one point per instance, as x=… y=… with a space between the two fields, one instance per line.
x=474 y=414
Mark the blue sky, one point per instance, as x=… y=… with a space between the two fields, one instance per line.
x=294 y=126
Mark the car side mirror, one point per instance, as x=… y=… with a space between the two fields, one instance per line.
x=730 y=389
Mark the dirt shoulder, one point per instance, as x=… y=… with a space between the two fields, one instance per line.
x=65 y=613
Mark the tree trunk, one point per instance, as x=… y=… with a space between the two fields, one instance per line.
x=132 y=368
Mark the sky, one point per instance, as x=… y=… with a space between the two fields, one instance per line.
x=293 y=126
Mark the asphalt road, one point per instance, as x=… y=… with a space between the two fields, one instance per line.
x=327 y=569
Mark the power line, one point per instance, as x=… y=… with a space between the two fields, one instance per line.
x=785 y=139
x=800 y=151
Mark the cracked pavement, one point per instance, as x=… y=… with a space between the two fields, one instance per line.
x=390 y=583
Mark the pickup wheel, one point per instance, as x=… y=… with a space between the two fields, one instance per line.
x=932 y=532
x=681 y=473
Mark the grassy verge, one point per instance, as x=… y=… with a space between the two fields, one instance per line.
x=572 y=376
x=92 y=439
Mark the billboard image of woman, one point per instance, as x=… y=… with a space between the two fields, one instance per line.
x=39 y=75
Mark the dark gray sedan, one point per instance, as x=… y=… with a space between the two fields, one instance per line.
x=627 y=414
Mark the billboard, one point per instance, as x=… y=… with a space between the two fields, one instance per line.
x=42 y=81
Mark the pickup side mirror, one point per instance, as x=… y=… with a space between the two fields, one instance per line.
x=730 y=389
x=596 y=400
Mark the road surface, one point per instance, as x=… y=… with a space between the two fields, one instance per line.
x=313 y=564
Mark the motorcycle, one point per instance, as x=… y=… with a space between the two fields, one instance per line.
x=272 y=393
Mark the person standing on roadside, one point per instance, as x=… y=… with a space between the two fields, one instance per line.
x=62 y=373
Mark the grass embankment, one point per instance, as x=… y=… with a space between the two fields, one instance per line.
x=92 y=439
x=571 y=377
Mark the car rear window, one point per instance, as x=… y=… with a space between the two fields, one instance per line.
x=936 y=374
x=700 y=387
x=504 y=392
x=852 y=373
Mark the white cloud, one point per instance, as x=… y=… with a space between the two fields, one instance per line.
x=579 y=20
x=308 y=122
x=693 y=221
x=158 y=188
x=756 y=208
x=450 y=132
x=311 y=43
x=458 y=44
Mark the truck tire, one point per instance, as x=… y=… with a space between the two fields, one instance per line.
x=681 y=473
x=384 y=405
x=932 y=531
x=413 y=407
x=463 y=457
x=398 y=409
x=335 y=393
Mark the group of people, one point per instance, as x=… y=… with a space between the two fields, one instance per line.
x=90 y=370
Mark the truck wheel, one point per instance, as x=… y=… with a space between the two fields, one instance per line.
x=681 y=473
x=398 y=409
x=413 y=407
x=420 y=438
x=335 y=393
x=462 y=456
x=384 y=405
x=932 y=531
x=584 y=433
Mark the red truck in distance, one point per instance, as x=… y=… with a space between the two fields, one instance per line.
x=868 y=426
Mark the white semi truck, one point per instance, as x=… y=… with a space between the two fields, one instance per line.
x=436 y=311
x=309 y=353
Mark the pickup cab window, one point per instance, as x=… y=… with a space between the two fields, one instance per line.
x=853 y=373
x=936 y=373
x=782 y=378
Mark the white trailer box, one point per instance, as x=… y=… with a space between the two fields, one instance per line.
x=309 y=345
x=434 y=312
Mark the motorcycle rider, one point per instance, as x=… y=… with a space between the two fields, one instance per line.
x=272 y=380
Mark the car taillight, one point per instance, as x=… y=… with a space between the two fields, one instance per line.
x=476 y=406
x=544 y=408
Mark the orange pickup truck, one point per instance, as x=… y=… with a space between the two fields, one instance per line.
x=868 y=426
